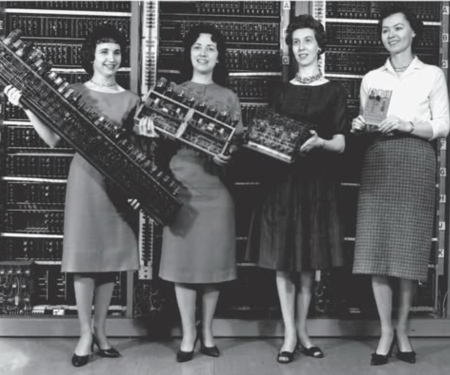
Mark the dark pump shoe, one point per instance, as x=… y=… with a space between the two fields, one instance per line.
x=105 y=353
x=379 y=359
x=408 y=357
x=184 y=356
x=382 y=359
x=211 y=351
x=80 y=360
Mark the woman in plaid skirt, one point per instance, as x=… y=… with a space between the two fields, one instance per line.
x=397 y=196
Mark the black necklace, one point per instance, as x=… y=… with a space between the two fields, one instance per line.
x=307 y=80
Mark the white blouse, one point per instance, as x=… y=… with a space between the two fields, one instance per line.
x=419 y=95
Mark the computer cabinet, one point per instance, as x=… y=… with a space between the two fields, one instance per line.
x=257 y=57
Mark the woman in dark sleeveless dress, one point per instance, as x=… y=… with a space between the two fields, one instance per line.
x=99 y=238
x=296 y=229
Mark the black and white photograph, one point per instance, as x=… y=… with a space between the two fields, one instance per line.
x=224 y=187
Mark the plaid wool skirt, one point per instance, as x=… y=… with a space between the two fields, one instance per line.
x=396 y=208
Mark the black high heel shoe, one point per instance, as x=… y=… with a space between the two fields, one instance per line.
x=286 y=356
x=80 y=360
x=211 y=351
x=183 y=356
x=313 y=351
x=408 y=357
x=105 y=353
x=382 y=359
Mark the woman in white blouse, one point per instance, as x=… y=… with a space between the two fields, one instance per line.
x=397 y=198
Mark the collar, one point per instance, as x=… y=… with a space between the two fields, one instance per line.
x=416 y=64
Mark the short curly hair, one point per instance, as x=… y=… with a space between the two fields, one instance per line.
x=306 y=21
x=105 y=33
x=220 y=73
x=416 y=24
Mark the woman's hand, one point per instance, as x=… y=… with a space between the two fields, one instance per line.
x=358 y=125
x=314 y=142
x=222 y=159
x=146 y=128
x=13 y=95
x=391 y=123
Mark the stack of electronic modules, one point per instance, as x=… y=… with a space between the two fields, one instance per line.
x=213 y=131
x=277 y=136
x=188 y=119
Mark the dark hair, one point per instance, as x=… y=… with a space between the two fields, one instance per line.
x=220 y=72
x=306 y=21
x=416 y=24
x=100 y=34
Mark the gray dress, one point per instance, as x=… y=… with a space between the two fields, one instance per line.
x=199 y=246
x=98 y=223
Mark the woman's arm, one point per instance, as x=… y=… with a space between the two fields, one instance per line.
x=338 y=127
x=335 y=144
x=47 y=134
x=363 y=94
x=439 y=125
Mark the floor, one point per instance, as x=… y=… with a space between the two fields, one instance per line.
x=39 y=356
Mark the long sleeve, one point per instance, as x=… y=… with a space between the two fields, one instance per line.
x=439 y=107
x=419 y=95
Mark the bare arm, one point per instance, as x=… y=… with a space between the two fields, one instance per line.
x=335 y=144
x=47 y=134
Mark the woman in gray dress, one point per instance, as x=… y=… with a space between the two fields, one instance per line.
x=397 y=197
x=99 y=239
x=198 y=251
